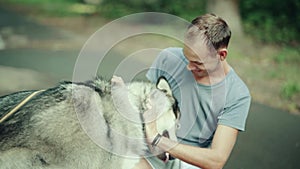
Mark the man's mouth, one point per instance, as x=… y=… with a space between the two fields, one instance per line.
x=197 y=71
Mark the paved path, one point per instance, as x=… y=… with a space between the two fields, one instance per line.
x=272 y=137
x=271 y=141
x=27 y=27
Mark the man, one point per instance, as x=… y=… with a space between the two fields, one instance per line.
x=214 y=102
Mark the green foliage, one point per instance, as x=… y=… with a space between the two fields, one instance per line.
x=288 y=55
x=43 y=1
x=272 y=21
x=56 y=7
x=113 y=11
x=187 y=9
x=289 y=89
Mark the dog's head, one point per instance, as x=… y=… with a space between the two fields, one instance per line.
x=138 y=98
x=159 y=97
x=168 y=107
x=162 y=100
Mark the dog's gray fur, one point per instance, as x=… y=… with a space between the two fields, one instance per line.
x=46 y=134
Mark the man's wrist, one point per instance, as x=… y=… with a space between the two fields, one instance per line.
x=156 y=140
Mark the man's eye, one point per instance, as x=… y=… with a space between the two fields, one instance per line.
x=197 y=63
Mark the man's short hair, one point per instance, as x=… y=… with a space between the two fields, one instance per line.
x=211 y=27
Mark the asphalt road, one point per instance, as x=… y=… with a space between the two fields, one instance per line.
x=271 y=139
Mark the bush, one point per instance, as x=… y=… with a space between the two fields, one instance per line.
x=187 y=9
x=272 y=21
x=289 y=89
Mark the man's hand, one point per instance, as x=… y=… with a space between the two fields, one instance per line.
x=117 y=81
x=150 y=123
x=121 y=99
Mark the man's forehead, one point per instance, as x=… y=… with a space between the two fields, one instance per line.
x=200 y=51
x=199 y=43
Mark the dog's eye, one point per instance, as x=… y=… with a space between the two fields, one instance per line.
x=176 y=109
x=164 y=90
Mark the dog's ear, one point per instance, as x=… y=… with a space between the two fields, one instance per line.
x=163 y=85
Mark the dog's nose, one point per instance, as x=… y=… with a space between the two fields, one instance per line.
x=166 y=134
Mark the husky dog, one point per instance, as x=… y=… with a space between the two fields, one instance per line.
x=81 y=125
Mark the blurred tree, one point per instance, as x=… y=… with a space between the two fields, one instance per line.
x=272 y=21
x=94 y=2
x=187 y=9
x=229 y=11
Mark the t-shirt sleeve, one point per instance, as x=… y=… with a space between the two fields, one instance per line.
x=235 y=115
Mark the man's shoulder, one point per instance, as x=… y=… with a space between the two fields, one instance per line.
x=172 y=56
x=169 y=62
x=172 y=51
x=237 y=84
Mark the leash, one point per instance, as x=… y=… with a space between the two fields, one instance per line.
x=17 y=107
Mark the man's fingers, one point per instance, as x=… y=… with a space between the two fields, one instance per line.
x=150 y=116
x=116 y=80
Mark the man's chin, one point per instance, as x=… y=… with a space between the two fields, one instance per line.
x=199 y=75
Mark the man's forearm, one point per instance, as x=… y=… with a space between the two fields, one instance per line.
x=201 y=157
x=206 y=158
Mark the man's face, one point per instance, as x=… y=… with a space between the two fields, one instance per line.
x=202 y=60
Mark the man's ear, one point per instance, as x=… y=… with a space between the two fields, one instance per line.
x=222 y=53
x=163 y=85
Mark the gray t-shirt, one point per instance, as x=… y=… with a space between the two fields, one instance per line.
x=202 y=107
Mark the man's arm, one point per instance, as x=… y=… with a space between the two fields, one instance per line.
x=206 y=158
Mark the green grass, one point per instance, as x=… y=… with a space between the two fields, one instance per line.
x=288 y=55
x=289 y=89
x=287 y=63
x=56 y=7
